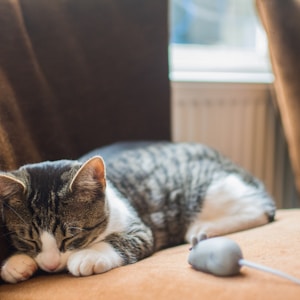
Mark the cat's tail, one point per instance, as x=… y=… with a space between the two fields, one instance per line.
x=266 y=200
x=270 y=209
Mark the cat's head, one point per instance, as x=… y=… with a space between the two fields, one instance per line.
x=53 y=208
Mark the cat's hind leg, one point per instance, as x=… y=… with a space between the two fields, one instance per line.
x=231 y=205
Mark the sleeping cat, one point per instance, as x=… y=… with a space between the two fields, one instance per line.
x=88 y=219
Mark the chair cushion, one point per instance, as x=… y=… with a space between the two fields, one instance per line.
x=167 y=275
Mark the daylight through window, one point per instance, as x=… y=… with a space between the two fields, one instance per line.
x=217 y=36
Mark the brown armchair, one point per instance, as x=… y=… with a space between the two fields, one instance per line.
x=79 y=74
x=76 y=75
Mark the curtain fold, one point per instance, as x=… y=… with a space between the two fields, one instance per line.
x=281 y=20
x=80 y=74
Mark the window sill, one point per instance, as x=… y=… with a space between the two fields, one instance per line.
x=218 y=64
x=221 y=77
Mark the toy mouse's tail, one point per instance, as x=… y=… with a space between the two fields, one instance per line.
x=243 y=262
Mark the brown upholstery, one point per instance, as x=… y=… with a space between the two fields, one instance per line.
x=281 y=20
x=167 y=275
x=79 y=74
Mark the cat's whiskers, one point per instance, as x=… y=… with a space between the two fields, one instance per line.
x=14 y=211
x=77 y=228
x=7 y=233
x=69 y=227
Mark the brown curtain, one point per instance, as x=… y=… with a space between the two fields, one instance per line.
x=78 y=74
x=281 y=19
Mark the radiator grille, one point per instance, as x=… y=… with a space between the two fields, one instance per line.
x=240 y=121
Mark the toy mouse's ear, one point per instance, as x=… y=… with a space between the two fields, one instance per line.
x=202 y=237
x=194 y=241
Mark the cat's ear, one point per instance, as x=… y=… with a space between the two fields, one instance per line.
x=90 y=175
x=10 y=185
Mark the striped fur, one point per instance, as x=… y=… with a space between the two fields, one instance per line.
x=65 y=215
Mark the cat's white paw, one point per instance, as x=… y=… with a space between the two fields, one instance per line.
x=18 y=268
x=89 y=261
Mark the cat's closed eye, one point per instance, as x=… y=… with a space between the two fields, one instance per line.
x=28 y=245
x=70 y=229
x=77 y=243
x=71 y=243
x=74 y=230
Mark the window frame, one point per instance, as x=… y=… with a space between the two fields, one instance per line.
x=221 y=63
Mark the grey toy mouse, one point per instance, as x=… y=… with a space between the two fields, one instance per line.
x=221 y=256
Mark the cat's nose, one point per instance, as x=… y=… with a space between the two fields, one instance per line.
x=49 y=261
x=51 y=266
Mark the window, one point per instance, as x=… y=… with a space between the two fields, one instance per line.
x=219 y=40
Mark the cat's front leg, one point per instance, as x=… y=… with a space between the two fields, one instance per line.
x=18 y=267
x=97 y=259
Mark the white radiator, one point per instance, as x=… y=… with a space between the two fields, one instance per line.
x=240 y=121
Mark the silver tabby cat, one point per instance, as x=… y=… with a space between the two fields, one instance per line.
x=88 y=219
